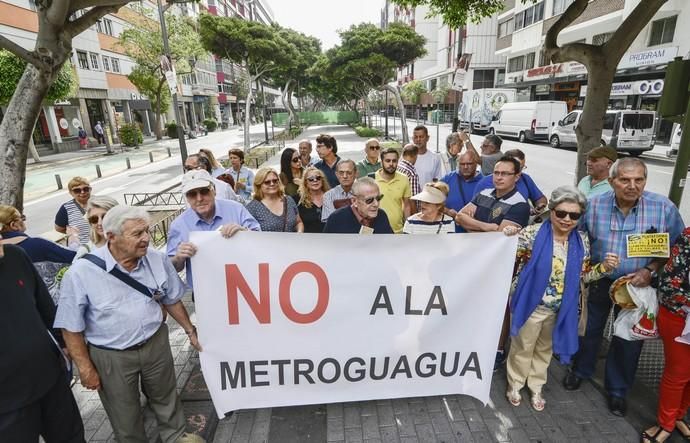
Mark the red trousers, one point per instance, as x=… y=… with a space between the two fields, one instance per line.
x=674 y=391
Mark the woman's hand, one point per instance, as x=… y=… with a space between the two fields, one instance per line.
x=611 y=262
x=511 y=230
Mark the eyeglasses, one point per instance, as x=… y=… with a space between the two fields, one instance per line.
x=201 y=191
x=319 y=145
x=346 y=173
x=503 y=173
x=370 y=200
x=314 y=179
x=270 y=182
x=83 y=190
x=95 y=218
x=295 y=160
x=375 y=147
x=468 y=164
x=562 y=214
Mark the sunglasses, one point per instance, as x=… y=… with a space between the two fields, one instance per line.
x=375 y=148
x=201 y=191
x=295 y=160
x=271 y=182
x=562 y=214
x=370 y=200
x=95 y=218
x=83 y=190
x=314 y=179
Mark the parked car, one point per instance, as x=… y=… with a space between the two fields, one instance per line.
x=528 y=120
x=625 y=130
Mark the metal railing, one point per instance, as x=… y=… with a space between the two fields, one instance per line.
x=159 y=230
x=154 y=199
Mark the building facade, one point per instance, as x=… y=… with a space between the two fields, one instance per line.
x=640 y=75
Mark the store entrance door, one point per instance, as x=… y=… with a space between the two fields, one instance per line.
x=95 y=110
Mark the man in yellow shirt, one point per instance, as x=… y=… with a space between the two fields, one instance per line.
x=395 y=188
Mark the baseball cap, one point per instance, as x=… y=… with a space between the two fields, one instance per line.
x=195 y=179
x=604 y=151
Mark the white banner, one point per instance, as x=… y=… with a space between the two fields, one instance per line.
x=292 y=319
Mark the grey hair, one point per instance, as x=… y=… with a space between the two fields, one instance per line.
x=304 y=141
x=346 y=161
x=567 y=193
x=453 y=139
x=626 y=162
x=364 y=182
x=116 y=218
x=101 y=202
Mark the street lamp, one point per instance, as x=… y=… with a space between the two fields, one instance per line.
x=166 y=48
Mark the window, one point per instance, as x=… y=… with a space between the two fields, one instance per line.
x=108 y=26
x=539 y=12
x=600 y=39
x=94 y=61
x=560 y=5
x=570 y=118
x=483 y=78
x=516 y=64
x=529 y=16
x=505 y=28
x=116 y=64
x=529 y=63
x=662 y=31
x=83 y=60
x=106 y=63
x=519 y=20
x=542 y=58
x=99 y=26
x=609 y=119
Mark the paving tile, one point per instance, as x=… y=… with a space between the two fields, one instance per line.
x=474 y=420
x=370 y=427
x=335 y=429
x=440 y=423
x=353 y=435
x=389 y=434
x=461 y=431
x=385 y=414
x=405 y=425
x=531 y=426
x=425 y=433
x=335 y=410
x=497 y=429
x=518 y=436
x=481 y=437
x=352 y=417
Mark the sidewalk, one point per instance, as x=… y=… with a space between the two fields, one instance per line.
x=569 y=416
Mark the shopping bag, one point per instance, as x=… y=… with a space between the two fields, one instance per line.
x=638 y=323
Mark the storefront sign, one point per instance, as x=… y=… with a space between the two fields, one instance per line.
x=643 y=87
x=76 y=123
x=649 y=57
x=544 y=71
x=283 y=320
x=64 y=124
x=543 y=89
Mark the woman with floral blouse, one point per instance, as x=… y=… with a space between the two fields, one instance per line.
x=552 y=259
x=674 y=305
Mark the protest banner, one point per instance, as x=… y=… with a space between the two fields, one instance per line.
x=292 y=319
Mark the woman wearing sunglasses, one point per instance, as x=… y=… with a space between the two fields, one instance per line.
x=552 y=259
x=291 y=172
x=96 y=209
x=48 y=257
x=311 y=192
x=274 y=211
x=70 y=216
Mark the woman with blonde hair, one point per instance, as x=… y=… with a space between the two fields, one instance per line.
x=271 y=207
x=431 y=219
x=311 y=191
x=96 y=209
x=70 y=217
x=216 y=168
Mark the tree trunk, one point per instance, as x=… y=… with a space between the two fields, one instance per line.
x=286 y=104
x=292 y=108
x=159 y=132
x=15 y=132
x=367 y=110
x=399 y=103
x=247 y=116
x=591 y=124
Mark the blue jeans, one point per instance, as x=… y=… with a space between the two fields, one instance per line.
x=623 y=355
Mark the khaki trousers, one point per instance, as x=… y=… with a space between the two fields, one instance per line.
x=120 y=372
x=530 y=351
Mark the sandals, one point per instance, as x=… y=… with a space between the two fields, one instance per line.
x=652 y=438
x=686 y=437
x=537 y=401
x=514 y=397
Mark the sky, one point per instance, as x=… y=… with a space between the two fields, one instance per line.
x=322 y=18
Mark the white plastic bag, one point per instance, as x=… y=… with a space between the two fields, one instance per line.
x=638 y=323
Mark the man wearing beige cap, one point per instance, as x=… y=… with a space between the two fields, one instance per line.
x=204 y=213
x=599 y=163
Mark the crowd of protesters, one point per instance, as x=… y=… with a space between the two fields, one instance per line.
x=106 y=314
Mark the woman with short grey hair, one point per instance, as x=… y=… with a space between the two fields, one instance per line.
x=449 y=159
x=552 y=258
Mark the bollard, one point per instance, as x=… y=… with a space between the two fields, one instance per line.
x=59 y=181
x=151 y=156
x=437 y=126
x=98 y=172
x=266 y=155
x=129 y=164
x=169 y=152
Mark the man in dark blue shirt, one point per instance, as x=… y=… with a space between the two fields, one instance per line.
x=461 y=185
x=364 y=215
x=327 y=148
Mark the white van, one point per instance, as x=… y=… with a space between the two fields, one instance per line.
x=528 y=120
x=626 y=130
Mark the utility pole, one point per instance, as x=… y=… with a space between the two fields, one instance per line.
x=166 y=48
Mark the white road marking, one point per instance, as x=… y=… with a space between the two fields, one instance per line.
x=660 y=171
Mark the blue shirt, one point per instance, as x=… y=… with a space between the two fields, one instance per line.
x=329 y=171
x=40 y=249
x=246 y=177
x=608 y=227
x=525 y=186
x=460 y=192
x=107 y=310
x=227 y=211
x=511 y=206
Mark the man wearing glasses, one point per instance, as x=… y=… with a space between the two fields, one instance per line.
x=327 y=148
x=370 y=163
x=204 y=213
x=341 y=195
x=495 y=208
x=70 y=216
x=363 y=216
x=223 y=190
